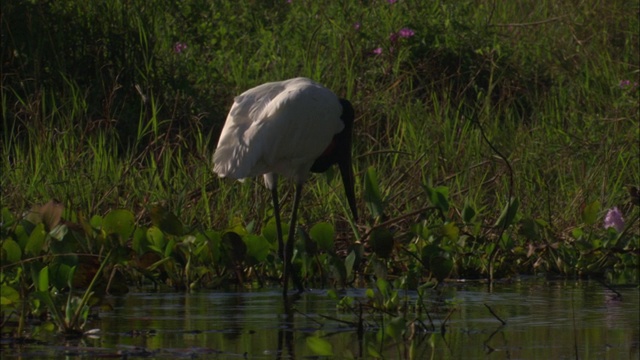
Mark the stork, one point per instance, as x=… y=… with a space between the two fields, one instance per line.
x=289 y=128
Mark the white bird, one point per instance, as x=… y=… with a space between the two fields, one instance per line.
x=289 y=128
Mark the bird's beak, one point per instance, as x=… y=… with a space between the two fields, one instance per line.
x=348 y=180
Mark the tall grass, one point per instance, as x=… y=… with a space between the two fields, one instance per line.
x=101 y=110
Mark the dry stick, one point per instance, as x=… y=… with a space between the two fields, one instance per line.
x=535 y=23
x=397 y=219
x=495 y=315
x=575 y=335
x=504 y=224
x=443 y=328
x=618 y=295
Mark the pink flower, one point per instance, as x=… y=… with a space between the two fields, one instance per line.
x=393 y=37
x=392 y=1
x=179 y=47
x=406 y=32
x=356 y=26
x=377 y=51
x=614 y=219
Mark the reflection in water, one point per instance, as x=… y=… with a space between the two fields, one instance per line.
x=543 y=320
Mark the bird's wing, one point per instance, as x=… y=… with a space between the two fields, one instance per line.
x=278 y=127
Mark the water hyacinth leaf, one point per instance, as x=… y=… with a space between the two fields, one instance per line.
x=257 y=247
x=441 y=266
x=396 y=327
x=429 y=252
x=9 y=297
x=468 y=213
x=43 y=279
x=323 y=234
x=235 y=249
x=381 y=241
x=166 y=221
x=348 y=264
x=319 y=346
x=590 y=212
x=11 y=251
x=439 y=197
x=372 y=195
x=450 y=230
x=61 y=273
x=156 y=239
x=383 y=286
x=373 y=351
x=120 y=222
x=36 y=241
x=21 y=236
x=168 y=250
x=6 y=218
x=96 y=221
x=139 y=243
x=508 y=214
x=213 y=240
x=270 y=232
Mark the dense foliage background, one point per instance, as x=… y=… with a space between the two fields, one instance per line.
x=490 y=138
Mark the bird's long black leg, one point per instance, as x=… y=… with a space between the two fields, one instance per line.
x=276 y=209
x=288 y=252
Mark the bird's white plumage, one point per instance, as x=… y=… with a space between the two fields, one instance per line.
x=278 y=127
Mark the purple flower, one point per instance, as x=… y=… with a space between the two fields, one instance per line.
x=614 y=219
x=356 y=25
x=392 y=1
x=377 y=51
x=393 y=37
x=625 y=83
x=406 y=32
x=179 y=47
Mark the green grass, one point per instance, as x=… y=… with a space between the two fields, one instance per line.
x=99 y=112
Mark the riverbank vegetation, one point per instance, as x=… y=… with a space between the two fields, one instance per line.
x=491 y=139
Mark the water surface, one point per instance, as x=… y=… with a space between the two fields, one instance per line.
x=543 y=319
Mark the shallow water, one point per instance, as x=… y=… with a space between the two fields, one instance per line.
x=550 y=320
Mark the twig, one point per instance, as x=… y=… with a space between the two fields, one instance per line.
x=534 y=23
x=495 y=315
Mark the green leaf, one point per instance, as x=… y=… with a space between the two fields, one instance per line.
x=381 y=241
x=166 y=220
x=9 y=296
x=43 y=279
x=441 y=266
x=213 y=240
x=468 y=213
x=156 y=238
x=590 y=213
x=395 y=327
x=348 y=263
x=439 y=197
x=6 y=218
x=323 y=234
x=139 y=244
x=36 y=241
x=320 y=346
x=257 y=247
x=120 y=222
x=372 y=195
x=12 y=252
x=235 y=249
x=270 y=232
x=451 y=231
x=508 y=214
x=96 y=221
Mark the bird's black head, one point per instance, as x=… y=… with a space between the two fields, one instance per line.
x=339 y=152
